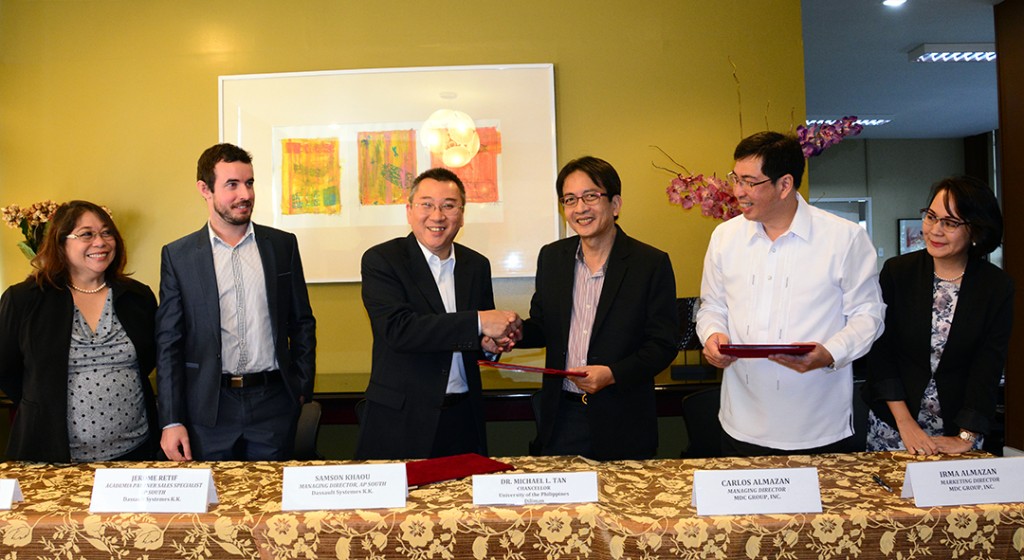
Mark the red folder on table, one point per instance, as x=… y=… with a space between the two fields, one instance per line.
x=451 y=468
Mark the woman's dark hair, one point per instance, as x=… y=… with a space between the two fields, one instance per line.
x=976 y=205
x=51 y=263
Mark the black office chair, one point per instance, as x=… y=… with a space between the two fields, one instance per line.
x=533 y=446
x=687 y=308
x=360 y=410
x=692 y=369
x=703 y=430
x=859 y=441
x=307 y=431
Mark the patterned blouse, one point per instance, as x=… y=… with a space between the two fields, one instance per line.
x=883 y=437
x=106 y=409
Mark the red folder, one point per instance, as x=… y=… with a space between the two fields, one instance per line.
x=763 y=350
x=451 y=468
x=530 y=369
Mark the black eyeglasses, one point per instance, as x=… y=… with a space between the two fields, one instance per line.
x=590 y=199
x=735 y=181
x=949 y=225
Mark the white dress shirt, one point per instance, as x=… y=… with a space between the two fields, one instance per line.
x=444 y=277
x=815 y=283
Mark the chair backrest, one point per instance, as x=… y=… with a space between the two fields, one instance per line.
x=703 y=429
x=360 y=410
x=307 y=431
x=859 y=441
x=687 y=308
x=533 y=447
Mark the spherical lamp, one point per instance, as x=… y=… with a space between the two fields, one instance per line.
x=452 y=135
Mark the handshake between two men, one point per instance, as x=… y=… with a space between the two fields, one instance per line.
x=501 y=330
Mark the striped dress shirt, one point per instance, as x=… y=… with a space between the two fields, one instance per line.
x=246 y=336
x=586 y=292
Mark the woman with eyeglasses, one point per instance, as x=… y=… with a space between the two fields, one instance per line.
x=77 y=347
x=933 y=375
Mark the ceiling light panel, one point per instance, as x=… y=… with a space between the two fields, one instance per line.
x=953 y=52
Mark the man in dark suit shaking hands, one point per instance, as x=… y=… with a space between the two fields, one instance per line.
x=430 y=301
x=236 y=337
x=605 y=305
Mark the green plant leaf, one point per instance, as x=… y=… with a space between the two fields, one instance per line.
x=26 y=250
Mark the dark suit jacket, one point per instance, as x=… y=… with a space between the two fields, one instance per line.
x=413 y=341
x=35 y=339
x=635 y=333
x=188 y=337
x=899 y=364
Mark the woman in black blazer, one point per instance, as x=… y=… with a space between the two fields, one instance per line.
x=77 y=346
x=933 y=375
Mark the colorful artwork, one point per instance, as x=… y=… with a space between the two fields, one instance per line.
x=310 y=176
x=387 y=166
x=911 y=235
x=480 y=175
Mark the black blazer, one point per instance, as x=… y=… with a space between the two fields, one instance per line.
x=899 y=364
x=413 y=341
x=635 y=333
x=35 y=339
x=189 y=365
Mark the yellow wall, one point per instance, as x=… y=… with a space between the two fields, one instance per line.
x=113 y=101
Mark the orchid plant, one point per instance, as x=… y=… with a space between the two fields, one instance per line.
x=817 y=138
x=713 y=194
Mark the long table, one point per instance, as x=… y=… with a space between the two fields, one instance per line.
x=644 y=512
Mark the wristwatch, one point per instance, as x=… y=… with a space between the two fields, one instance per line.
x=967 y=436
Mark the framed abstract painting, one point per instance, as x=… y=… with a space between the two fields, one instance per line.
x=910 y=235
x=335 y=153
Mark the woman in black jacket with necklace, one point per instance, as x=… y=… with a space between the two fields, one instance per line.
x=77 y=346
x=933 y=375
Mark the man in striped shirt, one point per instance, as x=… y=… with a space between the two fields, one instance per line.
x=604 y=306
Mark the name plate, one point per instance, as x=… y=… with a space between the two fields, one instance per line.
x=742 y=492
x=10 y=492
x=152 y=491
x=966 y=481
x=535 y=488
x=344 y=487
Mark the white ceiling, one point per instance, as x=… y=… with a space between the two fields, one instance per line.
x=855 y=63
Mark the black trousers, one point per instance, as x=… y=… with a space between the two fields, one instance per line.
x=253 y=424
x=570 y=434
x=456 y=431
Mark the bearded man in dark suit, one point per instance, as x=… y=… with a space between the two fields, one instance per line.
x=236 y=337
